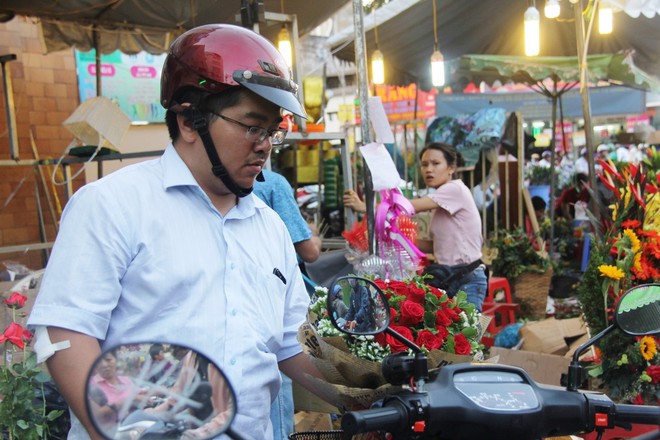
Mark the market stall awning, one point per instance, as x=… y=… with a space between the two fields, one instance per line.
x=494 y=27
x=150 y=25
x=618 y=69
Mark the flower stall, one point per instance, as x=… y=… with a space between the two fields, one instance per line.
x=625 y=252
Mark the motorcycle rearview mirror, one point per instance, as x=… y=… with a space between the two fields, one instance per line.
x=638 y=311
x=637 y=314
x=357 y=306
x=154 y=391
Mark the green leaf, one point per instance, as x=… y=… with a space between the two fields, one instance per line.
x=469 y=332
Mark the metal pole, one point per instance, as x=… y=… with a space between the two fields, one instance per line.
x=97 y=60
x=584 y=90
x=363 y=93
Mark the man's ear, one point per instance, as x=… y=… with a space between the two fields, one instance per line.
x=186 y=130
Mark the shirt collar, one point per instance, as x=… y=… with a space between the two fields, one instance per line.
x=175 y=170
x=176 y=173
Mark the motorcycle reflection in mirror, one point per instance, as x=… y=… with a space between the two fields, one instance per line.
x=638 y=311
x=358 y=307
x=158 y=391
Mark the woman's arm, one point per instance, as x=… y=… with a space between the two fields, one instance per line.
x=423 y=204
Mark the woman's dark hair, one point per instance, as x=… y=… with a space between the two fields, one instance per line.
x=205 y=103
x=451 y=155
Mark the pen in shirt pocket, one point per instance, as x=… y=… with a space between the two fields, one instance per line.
x=279 y=275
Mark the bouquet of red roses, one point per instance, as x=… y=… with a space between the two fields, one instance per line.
x=448 y=331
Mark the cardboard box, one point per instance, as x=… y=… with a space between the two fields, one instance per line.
x=543 y=368
x=547 y=348
x=305 y=421
x=553 y=336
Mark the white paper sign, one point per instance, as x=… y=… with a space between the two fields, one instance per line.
x=383 y=171
x=379 y=121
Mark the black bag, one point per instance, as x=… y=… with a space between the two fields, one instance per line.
x=448 y=278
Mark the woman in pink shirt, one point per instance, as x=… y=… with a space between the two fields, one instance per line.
x=455 y=229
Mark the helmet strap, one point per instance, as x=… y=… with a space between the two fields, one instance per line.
x=201 y=125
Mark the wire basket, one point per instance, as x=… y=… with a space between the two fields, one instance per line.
x=317 y=435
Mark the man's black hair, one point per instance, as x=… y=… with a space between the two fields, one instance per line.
x=538 y=203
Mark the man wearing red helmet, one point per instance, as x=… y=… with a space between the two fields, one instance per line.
x=177 y=249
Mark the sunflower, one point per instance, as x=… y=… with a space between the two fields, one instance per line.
x=634 y=240
x=610 y=271
x=648 y=348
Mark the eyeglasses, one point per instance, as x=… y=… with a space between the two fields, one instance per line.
x=258 y=134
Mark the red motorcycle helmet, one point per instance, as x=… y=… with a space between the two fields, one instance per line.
x=218 y=56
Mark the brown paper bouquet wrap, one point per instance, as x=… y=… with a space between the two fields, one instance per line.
x=354 y=382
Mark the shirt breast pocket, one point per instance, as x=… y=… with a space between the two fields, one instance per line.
x=265 y=303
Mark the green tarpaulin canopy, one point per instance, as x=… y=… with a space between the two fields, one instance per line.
x=617 y=69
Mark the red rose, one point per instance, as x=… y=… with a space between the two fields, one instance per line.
x=442 y=333
x=638 y=400
x=396 y=346
x=452 y=313
x=654 y=372
x=398 y=287
x=16 y=334
x=416 y=294
x=442 y=319
x=382 y=285
x=461 y=344
x=412 y=313
x=16 y=300
x=393 y=314
x=427 y=339
x=435 y=291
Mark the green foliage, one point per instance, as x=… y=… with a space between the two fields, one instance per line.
x=21 y=416
x=515 y=255
x=538 y=175
x=589 y=291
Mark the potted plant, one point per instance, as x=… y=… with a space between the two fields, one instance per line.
x=529 y=271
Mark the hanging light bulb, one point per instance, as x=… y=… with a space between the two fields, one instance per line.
x=437 y=69
x=532 y=37
x=284 y=45
x=377 y=64
x=437 y=60
x=551 y=9
x=377 y=67
x=605 y=19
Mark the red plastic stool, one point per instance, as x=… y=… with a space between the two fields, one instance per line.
x=503 y=313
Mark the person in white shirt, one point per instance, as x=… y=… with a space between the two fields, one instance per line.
x=545 y=159
x=622 y=153
x=178 y=249
x=582 y=164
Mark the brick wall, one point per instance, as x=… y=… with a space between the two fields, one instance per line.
x=45 y=94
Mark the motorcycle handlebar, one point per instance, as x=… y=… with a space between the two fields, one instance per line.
x=389 y=418
x=637 y=414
